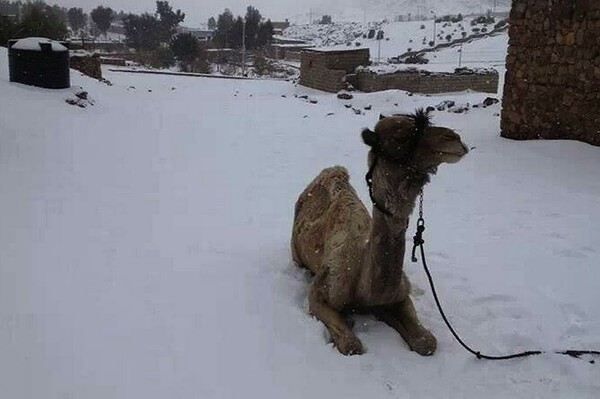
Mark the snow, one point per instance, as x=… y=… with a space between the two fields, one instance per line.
x=144 y=247
x=33 y=44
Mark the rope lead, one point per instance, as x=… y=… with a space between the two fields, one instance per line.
x=418 y=243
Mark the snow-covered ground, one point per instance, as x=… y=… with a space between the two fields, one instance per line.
x=144 y=248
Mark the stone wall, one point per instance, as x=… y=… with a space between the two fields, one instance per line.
x=552 y=87
x=327 y=70
x=113 y=61
x=427 y=82
x=88 y=65
x=91 y=46
x=321 y=78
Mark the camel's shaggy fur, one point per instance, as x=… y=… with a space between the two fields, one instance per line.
x=357 y=260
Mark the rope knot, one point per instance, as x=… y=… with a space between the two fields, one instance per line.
x=418 y=239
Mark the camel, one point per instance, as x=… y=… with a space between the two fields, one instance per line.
x=357 y=261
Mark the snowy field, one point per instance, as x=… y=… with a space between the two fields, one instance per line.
x=144 y=248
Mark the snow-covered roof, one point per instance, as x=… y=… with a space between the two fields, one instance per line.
x=33 y=44
x=336 y=49
x=292 y=45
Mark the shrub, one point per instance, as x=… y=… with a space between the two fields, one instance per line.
x=483 y=19
x=261 y=65
x=162 y=57
x=501 y=23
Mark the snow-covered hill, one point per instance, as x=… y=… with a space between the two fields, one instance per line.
x=374 y=10
x=400 y=37
x=144 y=248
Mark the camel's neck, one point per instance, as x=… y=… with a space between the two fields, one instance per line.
x=387 y=242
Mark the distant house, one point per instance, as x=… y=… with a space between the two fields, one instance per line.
x=278 y=39
x=117 y=27
x=290 y=52
x=279 y=27
x=203 y=35
x=328 y=70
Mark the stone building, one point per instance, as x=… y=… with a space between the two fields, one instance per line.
x=552 y=86
x=327 y=70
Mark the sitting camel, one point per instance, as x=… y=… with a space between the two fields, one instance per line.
x=357 y=261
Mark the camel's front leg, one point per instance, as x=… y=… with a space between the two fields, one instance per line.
x=343 y=337
x=403 y=318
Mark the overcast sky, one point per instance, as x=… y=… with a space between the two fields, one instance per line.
x=198 y=11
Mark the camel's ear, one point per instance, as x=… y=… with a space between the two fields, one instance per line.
x=370 y=138
x=381 y=116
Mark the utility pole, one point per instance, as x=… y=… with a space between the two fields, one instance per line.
x=244 y=47
x=495 y=1
x=460 y=51
x=379 y=39
x=434 y=26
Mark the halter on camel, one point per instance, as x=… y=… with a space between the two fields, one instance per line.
x=421 y=122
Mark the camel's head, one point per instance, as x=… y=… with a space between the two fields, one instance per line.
x=406 y=149
x=410 y=140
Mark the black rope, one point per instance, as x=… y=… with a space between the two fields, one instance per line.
x=369 y=179
x=418 y=242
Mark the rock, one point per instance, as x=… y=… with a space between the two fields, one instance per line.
x=459 y=109
x=78 y=102
x=490 y=101
x=304 y=97
x=331 y=113
x=430 y=109
x=357 y=111
x=345 y=96
x=368 y=107
x=348 y=105
x=444 y=105
x=313 y=101
x=82 y=95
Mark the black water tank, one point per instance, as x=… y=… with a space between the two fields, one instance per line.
x=39 y=62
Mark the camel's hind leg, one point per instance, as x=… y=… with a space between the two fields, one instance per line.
x=343 y=337
x=403 y=318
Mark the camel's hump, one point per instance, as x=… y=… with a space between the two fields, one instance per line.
x=335 y=172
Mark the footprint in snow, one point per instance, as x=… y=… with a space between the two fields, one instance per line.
x=571 y=254
x=494 y=298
